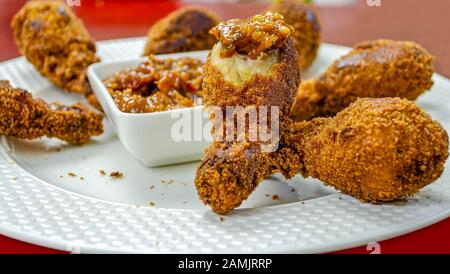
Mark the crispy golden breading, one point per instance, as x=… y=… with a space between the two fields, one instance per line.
x=302 y=17
x=231 y=170
x=185 y=29
x=24 y=117
x=377 y=69
x=375 y=150
x=56 y=42
x=229 y=173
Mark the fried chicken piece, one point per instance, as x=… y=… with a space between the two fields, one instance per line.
x=185 y=29
x=24 y=117
x=375 y=150
x=231 y=170
x=302 y=17
x=377 y=69
x=55 y=41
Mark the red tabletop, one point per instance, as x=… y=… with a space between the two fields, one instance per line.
x=425 y=22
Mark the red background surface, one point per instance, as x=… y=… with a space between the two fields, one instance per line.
x=425 y=22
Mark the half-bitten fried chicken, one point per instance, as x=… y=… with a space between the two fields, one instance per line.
x=24 y=117
x=268 y=75
x=376 y=69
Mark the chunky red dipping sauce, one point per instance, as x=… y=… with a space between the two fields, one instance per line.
x=252 y=36
x=157 y=85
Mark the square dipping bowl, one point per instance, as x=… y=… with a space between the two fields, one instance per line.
x=149 y=137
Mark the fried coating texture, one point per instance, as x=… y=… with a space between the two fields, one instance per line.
x=377 y=69
x=303 y=18
x=375 y=150
x=185 y=29
x=55 y=41
x=229 y=173
x=24 y=117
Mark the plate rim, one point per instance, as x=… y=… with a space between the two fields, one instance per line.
x=89 y=249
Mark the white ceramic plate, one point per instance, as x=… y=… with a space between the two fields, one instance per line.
x=156 y=209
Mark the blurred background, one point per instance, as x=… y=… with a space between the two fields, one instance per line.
x=343 y=22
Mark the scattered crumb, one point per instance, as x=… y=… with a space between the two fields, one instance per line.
x=303 y=203
x=293 y=190
x=152 y=187
x=116 y=174
x=152 y=204
x=102 y=172
x=81 y=178
x=340 y=198
x=71 y=174
x=267 y=195
x=221 y=218
x=58 y=149
x=60 y=176
x=169 y=182
x=275 y=197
